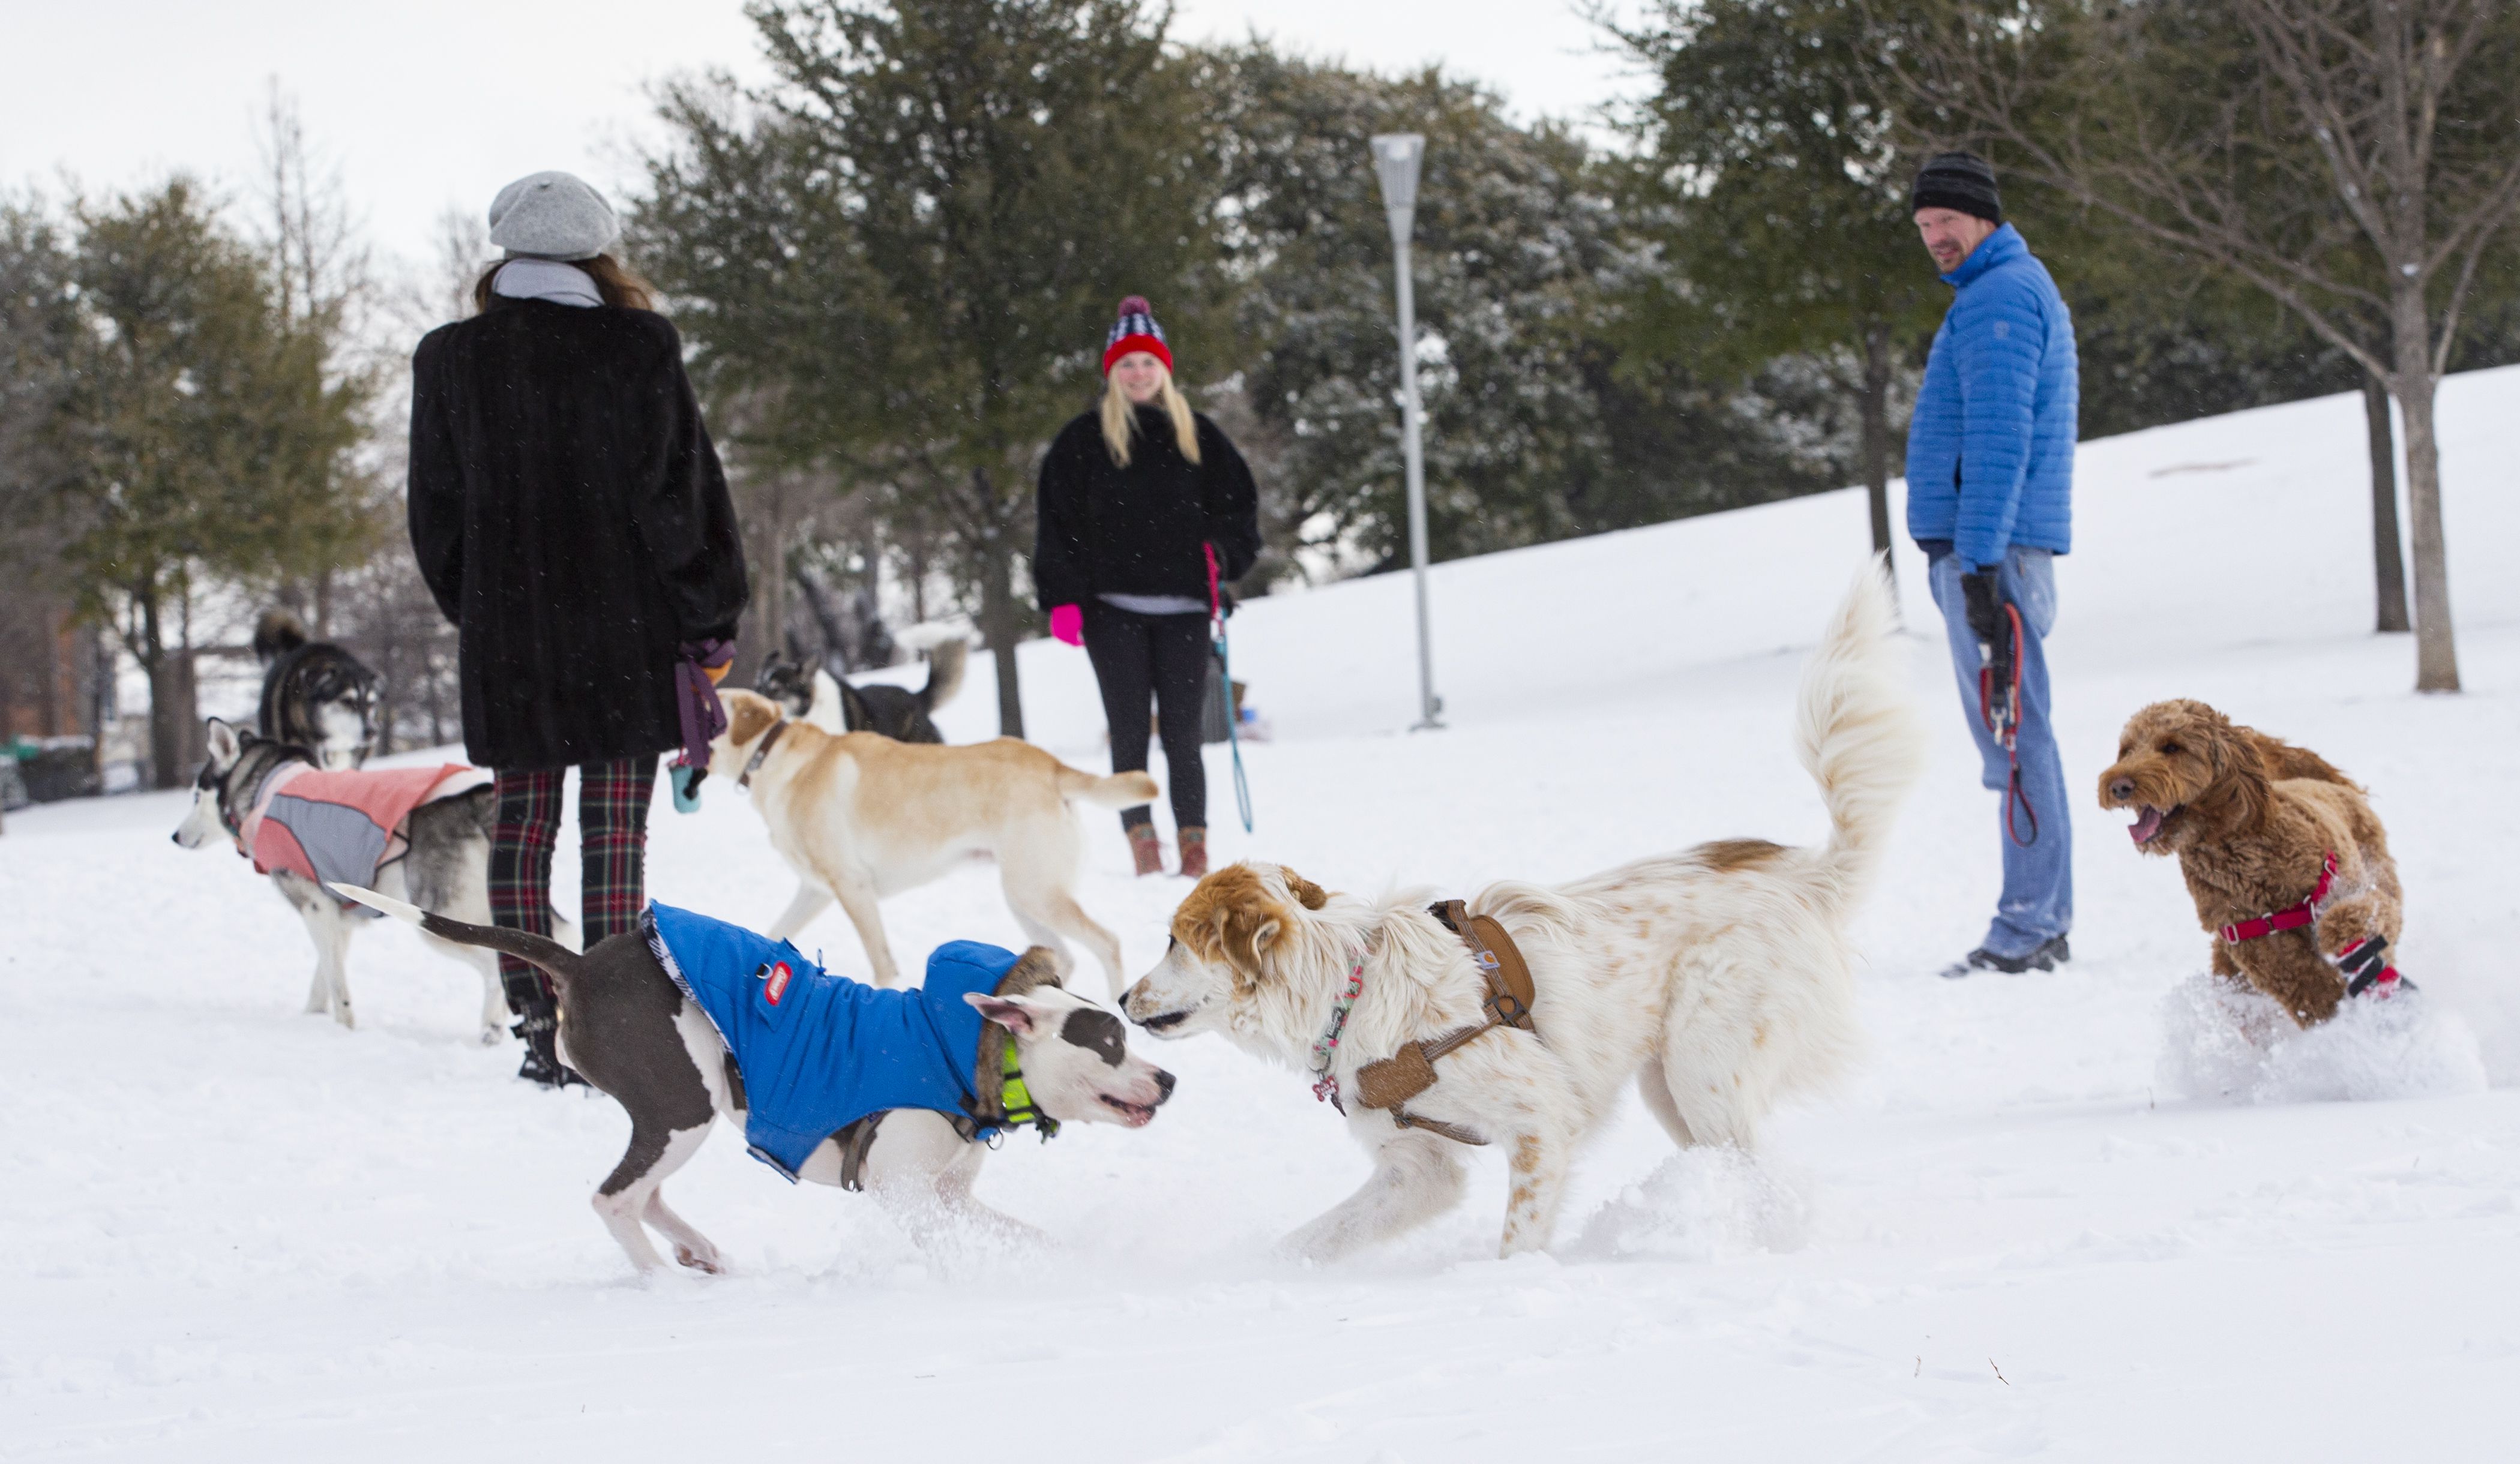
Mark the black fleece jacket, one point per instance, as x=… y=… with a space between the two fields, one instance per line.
x=1104 y=529
x=571 y=517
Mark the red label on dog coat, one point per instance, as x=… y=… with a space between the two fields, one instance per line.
x=777 y=986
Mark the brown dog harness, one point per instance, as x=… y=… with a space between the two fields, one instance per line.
x=1410 y=1071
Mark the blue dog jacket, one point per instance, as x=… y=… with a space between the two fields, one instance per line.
x=820 y=1052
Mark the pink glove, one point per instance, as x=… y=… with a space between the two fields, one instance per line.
x=1067 y=622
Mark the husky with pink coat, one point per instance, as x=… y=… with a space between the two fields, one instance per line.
x=420 y=834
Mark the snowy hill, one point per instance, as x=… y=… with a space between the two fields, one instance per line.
x=238 y=1232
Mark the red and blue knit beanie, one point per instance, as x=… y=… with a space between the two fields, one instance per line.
x=1136 y=331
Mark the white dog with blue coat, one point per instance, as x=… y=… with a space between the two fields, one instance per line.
x=898 y=1092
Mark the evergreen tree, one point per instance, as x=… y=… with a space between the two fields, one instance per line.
x=201 y=439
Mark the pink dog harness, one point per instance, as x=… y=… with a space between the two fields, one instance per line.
x=2291 y=916
x=2356 y=962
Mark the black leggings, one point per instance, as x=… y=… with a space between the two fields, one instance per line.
x=1164 y=657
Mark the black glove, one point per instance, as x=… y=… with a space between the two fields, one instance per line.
x=1983 y=592
x=1983 y=596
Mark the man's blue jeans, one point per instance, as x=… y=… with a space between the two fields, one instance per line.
x=2038 y=903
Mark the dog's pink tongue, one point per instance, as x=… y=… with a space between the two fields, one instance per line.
x=2146 y=823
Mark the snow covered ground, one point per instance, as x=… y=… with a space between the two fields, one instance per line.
x=232 y=1231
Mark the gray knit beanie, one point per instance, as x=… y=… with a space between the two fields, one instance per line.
x=553 y=215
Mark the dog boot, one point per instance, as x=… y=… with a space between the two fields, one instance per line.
x=2048 y=956
x=1145 y=849
x=1193 y=853
x=540 y=1028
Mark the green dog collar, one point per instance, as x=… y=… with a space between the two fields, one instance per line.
x=1014 y=1099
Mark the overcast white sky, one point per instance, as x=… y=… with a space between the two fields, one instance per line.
x=425 y=105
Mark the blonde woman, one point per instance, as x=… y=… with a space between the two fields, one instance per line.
x=1139 y=498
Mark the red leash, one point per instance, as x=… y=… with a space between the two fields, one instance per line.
x=2002 y=718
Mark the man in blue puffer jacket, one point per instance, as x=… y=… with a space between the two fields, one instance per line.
x=1990 y=499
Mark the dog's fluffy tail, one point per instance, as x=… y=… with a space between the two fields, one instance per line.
x=1857 y=730
x=276 y=634
x=549 y=956
x=1119 y=790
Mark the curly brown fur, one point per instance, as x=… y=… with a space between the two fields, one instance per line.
x=2252 y=820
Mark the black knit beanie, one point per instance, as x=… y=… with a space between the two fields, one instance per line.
x=1958 y=181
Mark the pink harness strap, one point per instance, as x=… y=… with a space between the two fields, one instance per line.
x=2382 y=982
x=2291 y=916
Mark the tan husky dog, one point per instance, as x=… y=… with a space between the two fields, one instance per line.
x=860 y=817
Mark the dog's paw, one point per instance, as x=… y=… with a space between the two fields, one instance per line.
x=492 y=1036
x=700 y=1261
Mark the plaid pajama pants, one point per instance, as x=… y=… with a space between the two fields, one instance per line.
x=612 y=840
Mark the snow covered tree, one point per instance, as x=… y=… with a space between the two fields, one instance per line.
x=969 y=186
x=1783 y=196
x=1510 y=236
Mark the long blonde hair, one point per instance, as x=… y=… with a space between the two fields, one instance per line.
x=1120 y=419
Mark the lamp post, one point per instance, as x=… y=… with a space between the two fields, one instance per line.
x=1396 y=155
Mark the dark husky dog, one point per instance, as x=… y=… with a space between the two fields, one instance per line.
x=446 y=868
x=817 y=696
x=314 y=693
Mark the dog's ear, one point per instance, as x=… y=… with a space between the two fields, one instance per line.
x=224 y=745
x=2239 y=768
x=854 y=712
x=1016 y=1016
x=748 y=716
x=1244 y=932
x=1307 y=894
x=1231 y=919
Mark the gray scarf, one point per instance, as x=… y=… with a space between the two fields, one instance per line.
x=527 y=279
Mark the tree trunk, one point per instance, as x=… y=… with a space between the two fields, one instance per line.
x=2436 y=645
x=165 y=697
x=998 y=611
x=764 y=632
x=1877 y=437
x=2388 y=562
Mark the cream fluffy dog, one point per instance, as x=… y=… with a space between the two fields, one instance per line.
x=861 y=817
x=1721 y=977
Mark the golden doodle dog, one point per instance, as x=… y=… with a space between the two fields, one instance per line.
x=2287 y=863
x=861 y=817
x=1719 y=978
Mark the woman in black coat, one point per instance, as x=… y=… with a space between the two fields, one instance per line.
x=1145 y=506
x=571 y=517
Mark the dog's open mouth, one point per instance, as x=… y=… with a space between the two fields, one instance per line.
x=2147 y=824
x=1164 y=1021
x=1135 y=1114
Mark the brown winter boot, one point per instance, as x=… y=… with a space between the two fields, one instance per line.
x=1145 y=849
x=1193 y=848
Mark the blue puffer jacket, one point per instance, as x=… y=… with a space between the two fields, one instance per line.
x=819 y=1051
x=1991 y=446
